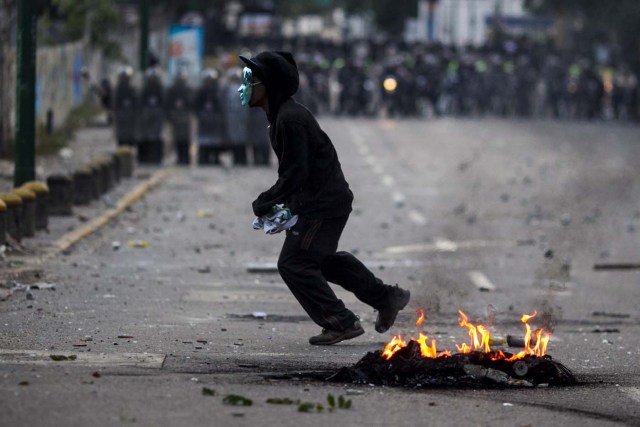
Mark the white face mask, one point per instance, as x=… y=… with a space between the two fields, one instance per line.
x=246 y=88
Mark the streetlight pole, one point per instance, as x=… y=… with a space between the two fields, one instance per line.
x=25 y=94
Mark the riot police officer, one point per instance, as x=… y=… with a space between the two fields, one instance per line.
x=151 y=145
x=125 y=107
x=178 y=106
x=211 y=119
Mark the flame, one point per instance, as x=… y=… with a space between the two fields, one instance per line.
x=481 y=343
x=535 y=342
x=396 y=343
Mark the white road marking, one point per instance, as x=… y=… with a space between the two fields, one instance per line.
x=446 y=245
x=39 y=357
x=417 y=217
x=481 y=281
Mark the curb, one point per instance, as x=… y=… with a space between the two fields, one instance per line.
x=65 y=242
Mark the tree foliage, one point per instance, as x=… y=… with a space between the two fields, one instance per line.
x=100 y=17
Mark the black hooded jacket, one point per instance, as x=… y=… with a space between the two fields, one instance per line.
x=310 y=179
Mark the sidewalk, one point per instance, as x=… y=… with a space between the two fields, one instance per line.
x=89 y=142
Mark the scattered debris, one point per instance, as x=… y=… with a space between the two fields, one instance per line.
x=204 y=270
x=125 y=336
x=606 y=331
x=614 y=315
x=237 y=400
x=269 y=317
x=617 y=266
x=115 y=245
x=247 y=365
x=24 y=383
x=282 y=401
x=205 y=213
x=208 y=391
x=138 y=244
x=127 y=419
x=263 y=267
x=62 y=357
x=340 y=403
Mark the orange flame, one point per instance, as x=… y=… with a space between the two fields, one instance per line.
x=479 y=341
x=396 y=343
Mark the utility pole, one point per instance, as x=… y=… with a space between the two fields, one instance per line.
x=144 y=34
x=25 y=100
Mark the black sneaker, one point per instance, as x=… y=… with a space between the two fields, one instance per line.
x=387 y=316
x=330 y=336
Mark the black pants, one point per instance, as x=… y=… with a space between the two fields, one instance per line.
x=309 y=260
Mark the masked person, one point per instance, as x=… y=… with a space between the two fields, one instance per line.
x=312 y=186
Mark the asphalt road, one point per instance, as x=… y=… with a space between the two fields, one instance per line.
x=495 y=218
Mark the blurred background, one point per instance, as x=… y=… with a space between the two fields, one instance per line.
x=566 y=60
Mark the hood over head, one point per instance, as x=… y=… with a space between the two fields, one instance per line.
x=278 y=72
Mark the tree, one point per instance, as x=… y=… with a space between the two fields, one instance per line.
x=99 y=17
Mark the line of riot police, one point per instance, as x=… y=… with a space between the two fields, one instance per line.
x=516 y=78
x=221 y=125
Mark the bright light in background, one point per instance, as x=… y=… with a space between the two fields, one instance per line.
x=390 y=84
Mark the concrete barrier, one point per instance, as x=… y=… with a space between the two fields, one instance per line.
x=13 y=215
x=83 y=186
x=126 y=156
x=28 y=214
x=61 y=195
x=42 y=203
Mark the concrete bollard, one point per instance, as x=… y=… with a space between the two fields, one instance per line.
x=60 y=195
x=96 y=178
x=126 y=156
x=3 y=223
x=83 y=186
x=42 y=203
x=115 y=160
x=28 y=214
x=106 y=162
x=100 y=178
x=13 y=215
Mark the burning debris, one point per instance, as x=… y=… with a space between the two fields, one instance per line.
x=418 y=363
